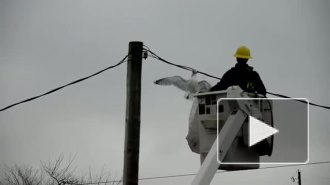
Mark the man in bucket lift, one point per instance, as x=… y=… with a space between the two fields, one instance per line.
x=242 y=75
x=249 y=80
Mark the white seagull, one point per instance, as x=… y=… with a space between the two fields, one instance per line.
x=190 y=86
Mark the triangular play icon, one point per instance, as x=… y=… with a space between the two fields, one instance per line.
x=259 y=131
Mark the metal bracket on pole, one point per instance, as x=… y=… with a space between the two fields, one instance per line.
x=222 y=143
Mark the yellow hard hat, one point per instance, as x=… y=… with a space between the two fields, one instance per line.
x=243 y=52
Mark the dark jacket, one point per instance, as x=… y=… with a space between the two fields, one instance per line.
x=243 y=76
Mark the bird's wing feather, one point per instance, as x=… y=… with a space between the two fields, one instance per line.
x=204 y=86
x=177 y=81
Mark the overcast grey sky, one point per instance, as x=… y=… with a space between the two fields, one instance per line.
x=45 y=44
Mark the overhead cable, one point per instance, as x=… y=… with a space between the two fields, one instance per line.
x=191 y=69
x=61 y=87
x=218 y=172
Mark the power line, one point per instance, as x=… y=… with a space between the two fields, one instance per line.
x=283 y=96
x=191 y=69
x=180 y=66
x=218 y=172
x=61 y=87
x=271 y=167
x=154 y=56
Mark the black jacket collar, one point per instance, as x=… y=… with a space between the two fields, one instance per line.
x=243 y=66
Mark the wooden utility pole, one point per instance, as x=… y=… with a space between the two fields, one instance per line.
x=299 y=178
x=133 y=111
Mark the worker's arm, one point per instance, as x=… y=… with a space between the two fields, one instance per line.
x=260 y=85
x=223 y=84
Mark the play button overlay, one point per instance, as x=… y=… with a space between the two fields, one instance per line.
x=259 y=131
x=279 y=135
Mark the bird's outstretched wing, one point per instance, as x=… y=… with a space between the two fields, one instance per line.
x=177 y=81
x=204 y=86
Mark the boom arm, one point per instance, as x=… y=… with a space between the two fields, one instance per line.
x=225 y=138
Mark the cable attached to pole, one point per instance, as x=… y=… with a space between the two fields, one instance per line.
x=61 y=87
x=191 y=69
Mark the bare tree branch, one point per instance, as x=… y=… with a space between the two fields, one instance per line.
x=22 y=175
x=52 y=173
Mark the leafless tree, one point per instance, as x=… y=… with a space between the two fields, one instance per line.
x=23 y=175
x=53 y=173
